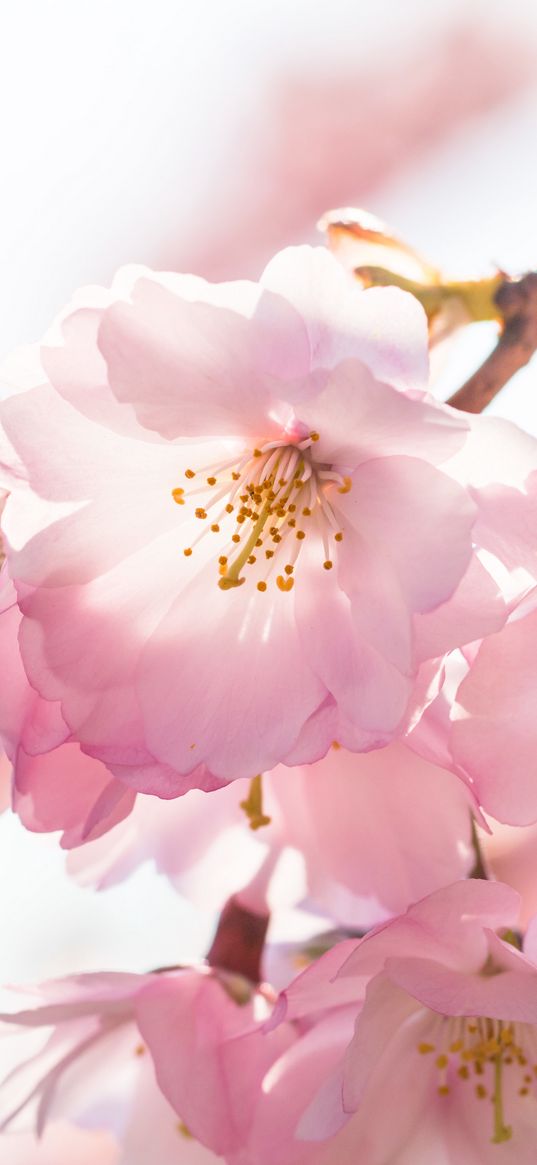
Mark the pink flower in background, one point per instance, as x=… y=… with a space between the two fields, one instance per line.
x=374 y=833
x=445 y=1035
x=274 y=516
x=494 y=734
x=201 y=1030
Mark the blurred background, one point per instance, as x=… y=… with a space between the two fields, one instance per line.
x=204 y=137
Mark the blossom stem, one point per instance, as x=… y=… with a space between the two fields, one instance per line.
x=239 y=941
x=517 y=304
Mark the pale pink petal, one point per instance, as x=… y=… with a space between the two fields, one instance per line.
x=385 y=328
x=242 y=726
x=494 y=735
x=200 y=361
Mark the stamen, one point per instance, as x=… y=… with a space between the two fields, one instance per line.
x=253 y=804
x=502 y=1132
x=266 y=489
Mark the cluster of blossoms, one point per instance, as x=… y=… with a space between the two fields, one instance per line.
x=268 y=617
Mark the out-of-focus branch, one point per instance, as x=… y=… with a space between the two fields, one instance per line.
x=517 y=303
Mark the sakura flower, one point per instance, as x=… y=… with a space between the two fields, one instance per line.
x=445 y=1035
x=198 y=1030
x=345 y=822
x=239 y=489
x=372 y=832
x=494 y=735
x=55 y=786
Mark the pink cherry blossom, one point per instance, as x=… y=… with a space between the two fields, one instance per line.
x=445 y=1041
x=374 y=832
x=238 y=397
x=494 y=734
x=202 y=1030
x=55 y=785
x=363 y=853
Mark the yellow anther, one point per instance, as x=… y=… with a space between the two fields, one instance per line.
x=235 y=537
x=251 y=559
x=456 y=1046
x=261 y=586
x=463 y=1072
x=338 y=537
x=288 y=569
x=215 y=528
x=480 y=1091
x=184 y=1130
x=211 y=481
x=187 y=551
x=336 y=745
x=314 y=436
x=229 y=508
x=424 y=1048
x=178 y=496
x=269 y=554
x=442 y=1061
x=300 y=534
x=523 y=1091
x=236 y=476
x=307 y=512
x=443 y=1090
x=285 y=584
x=328 y=565
x=139 y=1050
x=506 y=1035
x=222 y=560
x=257 y=453
x=346 y=487
x=189 y=473
x=200 y=512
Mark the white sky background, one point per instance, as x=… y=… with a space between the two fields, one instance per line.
x=119 y=122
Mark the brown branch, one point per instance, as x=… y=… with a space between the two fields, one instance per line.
x=239 y=941
x=517 y=301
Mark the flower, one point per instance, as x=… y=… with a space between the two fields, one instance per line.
x=493 y=735
x=240 y=492
x=445 y=1035
x=200 y=1031
x=373 y=832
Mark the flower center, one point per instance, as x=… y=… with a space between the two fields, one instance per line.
x=266 y=503
x=481 y=1049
